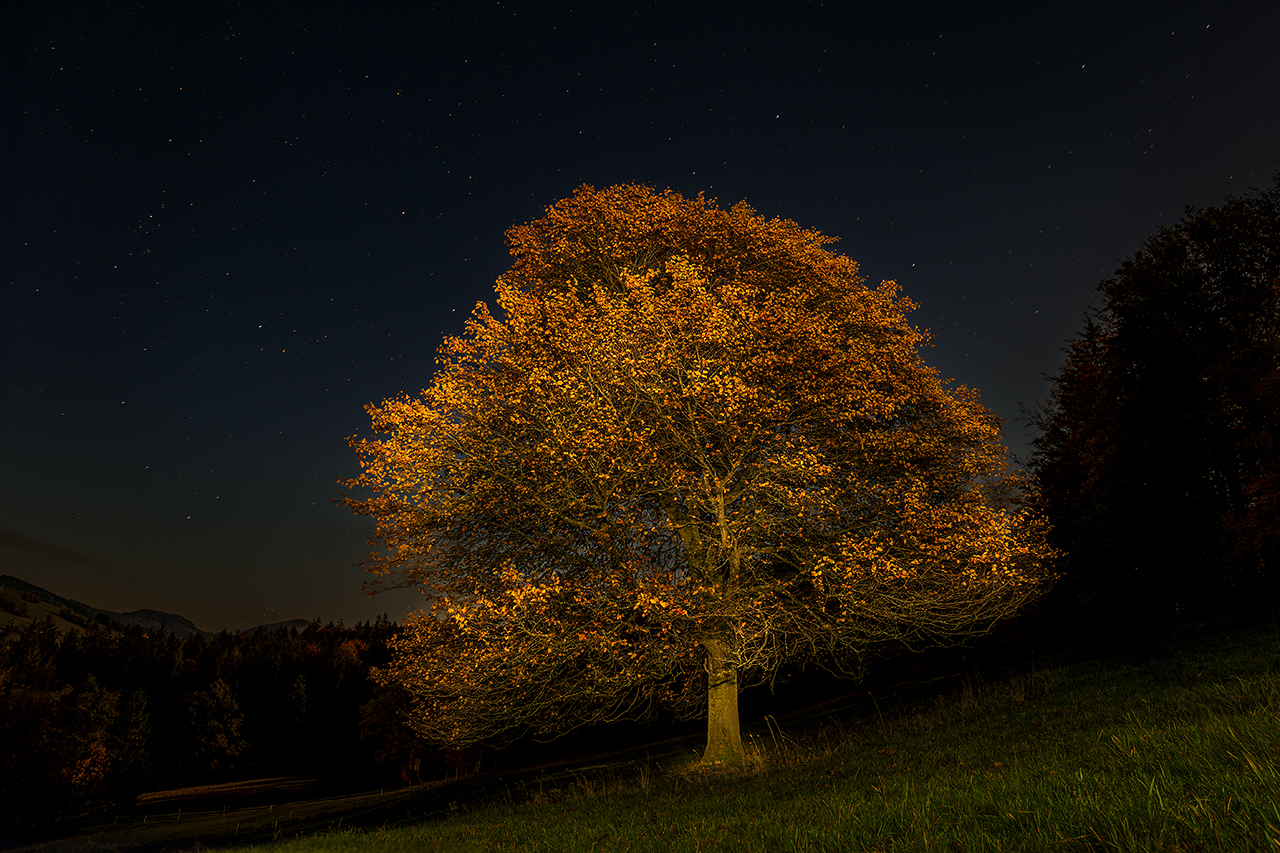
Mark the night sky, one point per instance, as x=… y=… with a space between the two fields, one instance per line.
x=228 y=227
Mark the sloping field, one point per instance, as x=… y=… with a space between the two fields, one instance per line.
x=1177 y=751
x=263 y=810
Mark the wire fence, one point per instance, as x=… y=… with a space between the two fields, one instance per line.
x=280 y=812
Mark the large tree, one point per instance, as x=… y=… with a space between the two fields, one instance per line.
x=1159 y=452
x=694 y=446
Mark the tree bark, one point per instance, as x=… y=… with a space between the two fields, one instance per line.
x=724 y=739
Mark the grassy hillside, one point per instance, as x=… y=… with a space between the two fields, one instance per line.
x=22 y=603
x=1176 y=752
x=19 y=608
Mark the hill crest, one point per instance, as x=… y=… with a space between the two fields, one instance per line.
x=22 y=602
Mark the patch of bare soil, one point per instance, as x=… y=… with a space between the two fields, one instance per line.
x=211 y=816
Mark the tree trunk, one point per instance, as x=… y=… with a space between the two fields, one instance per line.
x=724 y=740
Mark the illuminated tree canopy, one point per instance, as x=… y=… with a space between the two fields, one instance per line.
x=693 y=446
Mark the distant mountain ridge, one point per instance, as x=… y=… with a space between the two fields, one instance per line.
x=179 y=626
x=153 y=620
x=299 y=624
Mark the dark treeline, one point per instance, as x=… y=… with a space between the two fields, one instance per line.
x=1158 y=458
x=91 y=718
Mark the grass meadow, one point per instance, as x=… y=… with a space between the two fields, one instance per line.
x=1179 y=752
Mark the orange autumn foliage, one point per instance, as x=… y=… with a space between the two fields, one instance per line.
x=694 y=446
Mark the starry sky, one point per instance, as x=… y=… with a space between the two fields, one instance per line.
x=237 y=224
